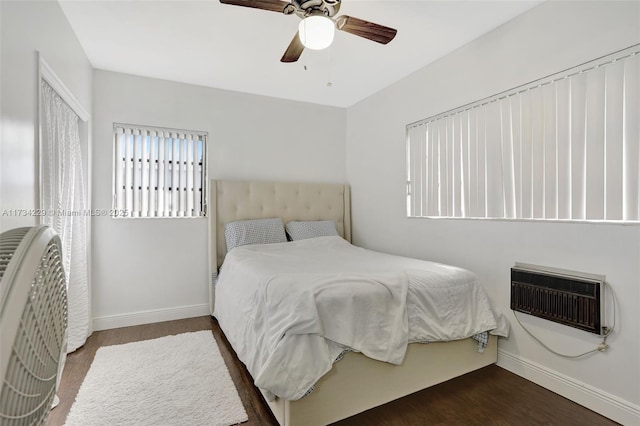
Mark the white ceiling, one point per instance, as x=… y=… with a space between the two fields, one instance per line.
x=237 y=48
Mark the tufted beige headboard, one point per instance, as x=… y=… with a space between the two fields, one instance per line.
x=240 y=200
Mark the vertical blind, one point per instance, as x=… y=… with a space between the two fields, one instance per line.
x=566 y=147
x=158 y=172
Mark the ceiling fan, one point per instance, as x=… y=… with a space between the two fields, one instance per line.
x=318 y=23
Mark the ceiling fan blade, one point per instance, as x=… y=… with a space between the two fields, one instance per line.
x=366 y=29
x=294 y=50
x=272 y=5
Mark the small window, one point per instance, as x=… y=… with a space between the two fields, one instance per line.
x=159 y=172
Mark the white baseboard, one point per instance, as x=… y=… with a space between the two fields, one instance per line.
x=148 y=317
x=611 y=406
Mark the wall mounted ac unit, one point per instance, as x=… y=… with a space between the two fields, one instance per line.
x=567 y=297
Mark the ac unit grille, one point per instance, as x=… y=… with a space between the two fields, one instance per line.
x=572 y=301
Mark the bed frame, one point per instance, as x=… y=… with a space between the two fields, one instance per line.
x=356 y=383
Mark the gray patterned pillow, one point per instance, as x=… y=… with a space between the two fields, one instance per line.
x=255 y=231
x=311 y=229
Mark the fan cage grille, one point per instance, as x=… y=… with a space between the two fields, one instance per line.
x=29 y=385
x=8 y=244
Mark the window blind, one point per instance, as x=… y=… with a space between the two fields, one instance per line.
x=159 y=172
x=566 y=147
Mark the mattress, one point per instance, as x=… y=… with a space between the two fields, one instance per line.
x=291 y=309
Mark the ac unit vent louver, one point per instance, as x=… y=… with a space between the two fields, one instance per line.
x=565 y=297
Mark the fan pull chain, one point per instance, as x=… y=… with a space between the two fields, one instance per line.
x=305 y=56
x=329 y=83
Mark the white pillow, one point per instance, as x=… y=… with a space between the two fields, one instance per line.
x=311 y=229
x=255 y=231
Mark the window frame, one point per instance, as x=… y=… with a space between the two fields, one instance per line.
x=419 y=190
x=119 y=211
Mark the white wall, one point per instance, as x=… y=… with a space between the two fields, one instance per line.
x=25 y=28
x=551 y=37
x=147 y=270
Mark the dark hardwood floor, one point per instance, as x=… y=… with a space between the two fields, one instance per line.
x=489 y=396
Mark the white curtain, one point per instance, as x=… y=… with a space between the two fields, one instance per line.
x=64 y=201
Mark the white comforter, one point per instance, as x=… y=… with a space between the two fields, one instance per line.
x=290 y=309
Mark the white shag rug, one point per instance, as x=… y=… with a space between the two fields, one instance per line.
x=173 y=380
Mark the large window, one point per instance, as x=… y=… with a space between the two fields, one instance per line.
x=566 y=147
x=159 y=172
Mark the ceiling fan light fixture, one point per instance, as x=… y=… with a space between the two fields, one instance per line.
x=316 y=32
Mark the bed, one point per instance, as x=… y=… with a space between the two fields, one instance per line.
x=339 y=393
